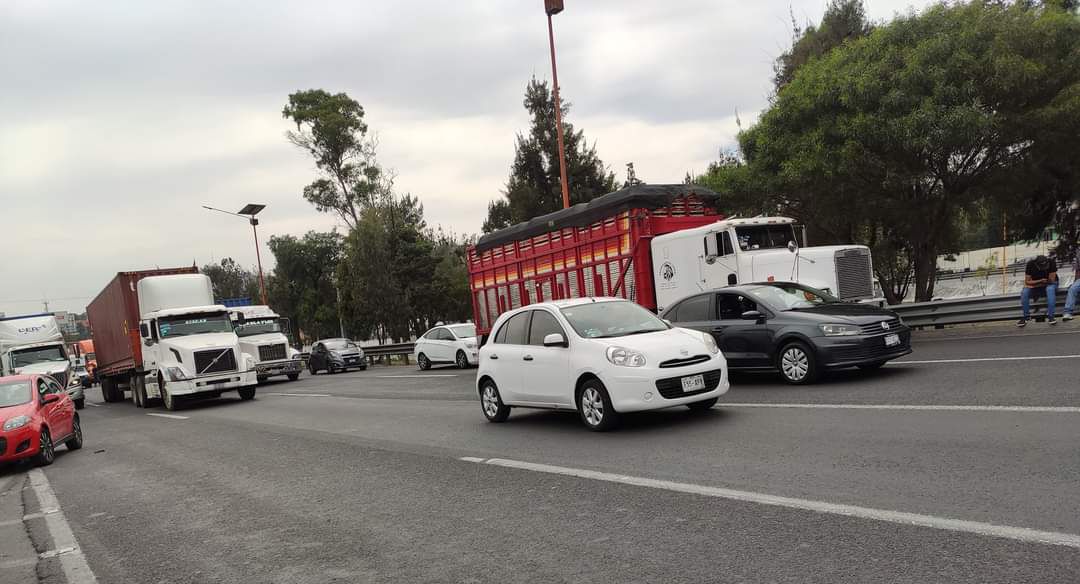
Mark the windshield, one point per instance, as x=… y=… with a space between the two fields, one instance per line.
x=194 y=324
x=765 y=236
x=791 y=296
x=339 y=344
x=463 y=331
x=24 y=357
x=259 y=326
x=14 y=393
x=601 y=320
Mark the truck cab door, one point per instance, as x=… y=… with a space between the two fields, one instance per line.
x=720 y=265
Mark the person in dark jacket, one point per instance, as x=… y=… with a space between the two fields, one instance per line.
x=1074 y=290
x=1040 y=278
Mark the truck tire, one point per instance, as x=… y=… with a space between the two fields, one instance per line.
x=167 y=398
x=138 y=390
x=293 y=376
x=246 y=393
x=109 y=391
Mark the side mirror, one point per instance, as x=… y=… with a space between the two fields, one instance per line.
x=792 y=246
x=144 y=330
x=50 y=398
x=711 y=248
x=753 y=315
x=555 y=340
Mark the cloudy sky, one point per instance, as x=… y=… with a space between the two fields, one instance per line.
x=121 y=118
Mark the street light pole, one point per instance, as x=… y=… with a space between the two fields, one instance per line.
x=553 y=7
x=248 y=212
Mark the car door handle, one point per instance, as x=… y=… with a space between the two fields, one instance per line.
x=527 y=358
x=718 y=329
x=493 y=357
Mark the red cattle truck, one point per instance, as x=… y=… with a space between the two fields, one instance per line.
x=114 y=323
x=599 y=248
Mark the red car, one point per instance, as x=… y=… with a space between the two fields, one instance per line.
x=36 y=415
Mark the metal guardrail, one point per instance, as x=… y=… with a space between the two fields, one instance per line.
x=380 y=351
x=969 y=310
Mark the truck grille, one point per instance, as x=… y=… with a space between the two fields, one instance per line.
x=61 y=378
x=203 y=360
x=271 y=352
x=854 y=275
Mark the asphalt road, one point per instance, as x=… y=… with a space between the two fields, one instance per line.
x=360 y=477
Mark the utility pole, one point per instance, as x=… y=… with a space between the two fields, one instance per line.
x=553 y=7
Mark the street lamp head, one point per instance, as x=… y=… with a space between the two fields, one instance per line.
x=553 y=7
x=251 y=209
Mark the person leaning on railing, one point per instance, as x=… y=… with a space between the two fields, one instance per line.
x=1040 y=277
x=1074 y=290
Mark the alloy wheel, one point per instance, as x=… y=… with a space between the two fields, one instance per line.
x=462 y=360
x=47 y=452
x=795 y=364
x=491 y=401
x=592 y=406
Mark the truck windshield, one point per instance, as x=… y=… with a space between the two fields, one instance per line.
x=14 y=393
x=193 y=324
x=259 y=326
x=754 y=237
x=601 y=320
x=24 y=357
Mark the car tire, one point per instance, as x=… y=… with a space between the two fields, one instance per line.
x=594 y=407
x=246 y=393
x=422 y=362
x=167 y=399
x=871 y=366
x=76 y=440
x=46 y=450
x=80 y=403
x=293 y=376
x=462 y=360
x=491 y=403
x=311 y=368
x=703 y=406
x=797 y=364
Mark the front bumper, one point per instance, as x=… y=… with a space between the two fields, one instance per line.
x=216 y=383
x=839 y=352
x=653 y=389
x=10 y=441
x=271 y=368
x=351 y=362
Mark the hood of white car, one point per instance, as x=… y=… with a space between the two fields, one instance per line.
x=675 y=343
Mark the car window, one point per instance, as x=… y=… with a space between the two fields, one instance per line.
x=432 y=335
x=444 y=335
x=43 y=387
x=54 y=386
x=514 y=330
x=693 y=309
x=543 y=324
x=732 y=306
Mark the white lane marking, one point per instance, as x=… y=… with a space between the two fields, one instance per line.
x=981 y=359
x=472 y=459
x=301 y=394
x=93 y=405
x=944 y=523
x=939 y=408
x=170 y=416
x=72 y=560
x=411 y=376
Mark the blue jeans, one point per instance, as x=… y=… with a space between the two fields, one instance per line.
x=1070 y=300
x=1051 y=299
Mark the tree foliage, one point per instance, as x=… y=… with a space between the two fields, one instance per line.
x=535 y=186
x=894 y=138
x=302 y=285
x=231 y=280
x=331 y=128
x=843 y=20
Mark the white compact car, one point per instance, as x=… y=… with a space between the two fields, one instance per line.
x=452 y=343
x=599 y=356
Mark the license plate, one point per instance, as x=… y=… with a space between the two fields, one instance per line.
x=892 y=340
x=693 y=383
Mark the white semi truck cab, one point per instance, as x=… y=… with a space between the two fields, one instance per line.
x=188 y=345
x=758 y=249
x=33 y=344
x=262 y=337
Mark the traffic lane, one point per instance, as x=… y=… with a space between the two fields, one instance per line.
x=993 y=342
x=996 y=467
x=1025 y=382
x=208 y=500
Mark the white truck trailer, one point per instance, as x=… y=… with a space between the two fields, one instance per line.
x=33 y=344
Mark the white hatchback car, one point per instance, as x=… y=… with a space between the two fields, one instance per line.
x=452 y=343
x=599 y=356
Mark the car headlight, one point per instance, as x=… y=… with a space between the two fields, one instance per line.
x=625 y=357
x=839 y=330
x=75 y=379
x=710 y=344
x=470 y=344
x=293 y=353
x=16 y=422
x=176 y=374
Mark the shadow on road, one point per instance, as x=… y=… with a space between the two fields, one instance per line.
x=842 y=378
x=633 y=423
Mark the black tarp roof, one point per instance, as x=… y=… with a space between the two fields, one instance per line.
x=582 y=214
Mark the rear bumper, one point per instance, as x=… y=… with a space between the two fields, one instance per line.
x=840 y=352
